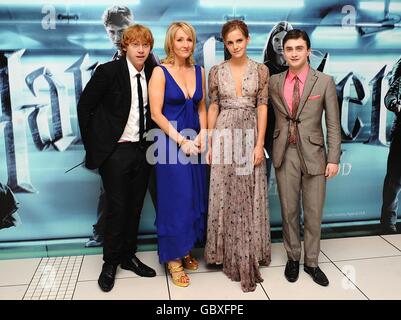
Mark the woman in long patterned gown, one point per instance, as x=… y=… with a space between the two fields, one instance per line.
x=238 y=229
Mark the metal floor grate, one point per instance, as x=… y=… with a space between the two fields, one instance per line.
x=55 y=279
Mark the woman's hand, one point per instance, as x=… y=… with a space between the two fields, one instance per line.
x=190 y=147
x=209 y=156
x=200 y=140
x=258 y=155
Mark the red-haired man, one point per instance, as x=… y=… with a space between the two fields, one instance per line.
x=114 y=116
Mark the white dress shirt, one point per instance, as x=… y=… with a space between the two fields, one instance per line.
x=131 y=131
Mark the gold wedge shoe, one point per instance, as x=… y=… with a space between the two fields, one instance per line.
x=179 y=279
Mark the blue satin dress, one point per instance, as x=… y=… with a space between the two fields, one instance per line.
x=181 y=185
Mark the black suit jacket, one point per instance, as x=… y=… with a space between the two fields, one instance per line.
x=103 y=110
x=391 y=100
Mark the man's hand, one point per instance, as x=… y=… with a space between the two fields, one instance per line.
x=331 y=170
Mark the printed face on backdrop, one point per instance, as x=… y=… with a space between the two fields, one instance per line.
x=236 y=43
x=115 y=33
x=137 y=52
x=296 y=53
x=183 y=44
x=277 y=43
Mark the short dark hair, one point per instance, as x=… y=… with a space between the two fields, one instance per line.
x=297 y=34
x=117 y=15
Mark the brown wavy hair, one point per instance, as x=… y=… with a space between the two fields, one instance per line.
x=232 y=25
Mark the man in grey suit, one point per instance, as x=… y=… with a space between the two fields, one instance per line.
x=299 y=97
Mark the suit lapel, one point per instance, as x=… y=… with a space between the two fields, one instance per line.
x=280 y=90
x=148 y=74
x=309 y=84
x=126 y=83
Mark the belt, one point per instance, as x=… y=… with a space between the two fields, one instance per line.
x=134 y=144
x=127 y=141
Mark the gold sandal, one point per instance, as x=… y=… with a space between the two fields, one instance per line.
x=189 y=262
x=178 y=280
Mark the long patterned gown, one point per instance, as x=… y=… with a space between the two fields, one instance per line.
x=238 y=229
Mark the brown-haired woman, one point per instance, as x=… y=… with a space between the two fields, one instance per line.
x=238 y=231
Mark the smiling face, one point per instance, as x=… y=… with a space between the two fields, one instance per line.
x=183 y=44
x=115 y=33
x=137 y=52
x=296 y=53
x=236 y=43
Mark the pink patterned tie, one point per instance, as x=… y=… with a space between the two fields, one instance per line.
x=295 y=103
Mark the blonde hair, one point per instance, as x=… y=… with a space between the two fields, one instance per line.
x=169 y=41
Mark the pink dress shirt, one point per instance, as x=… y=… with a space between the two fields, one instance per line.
x=289 y=84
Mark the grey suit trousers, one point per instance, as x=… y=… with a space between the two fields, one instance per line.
x=294 y=183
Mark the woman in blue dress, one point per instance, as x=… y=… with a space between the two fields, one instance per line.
x=177 y=104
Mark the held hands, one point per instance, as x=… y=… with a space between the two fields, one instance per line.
x=200 y=140
x=331 y=170
x=258 y=155
x=190 y=147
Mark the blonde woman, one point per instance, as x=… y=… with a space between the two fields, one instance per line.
x=177 y=100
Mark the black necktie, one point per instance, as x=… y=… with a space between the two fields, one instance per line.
x=141 y=115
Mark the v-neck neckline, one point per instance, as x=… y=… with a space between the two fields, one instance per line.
x=242 y=80
x=182 y=91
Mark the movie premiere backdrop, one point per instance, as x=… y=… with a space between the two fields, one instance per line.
x=49 y=50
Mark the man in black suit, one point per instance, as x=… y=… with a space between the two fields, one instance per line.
x=392 y=181
x=115 y=20
x=114 y=116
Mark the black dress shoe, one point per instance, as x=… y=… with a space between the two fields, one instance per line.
x=138 y=267
x=292 y=270
x=317 y=275
x=107 y=276
x=388 y=229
